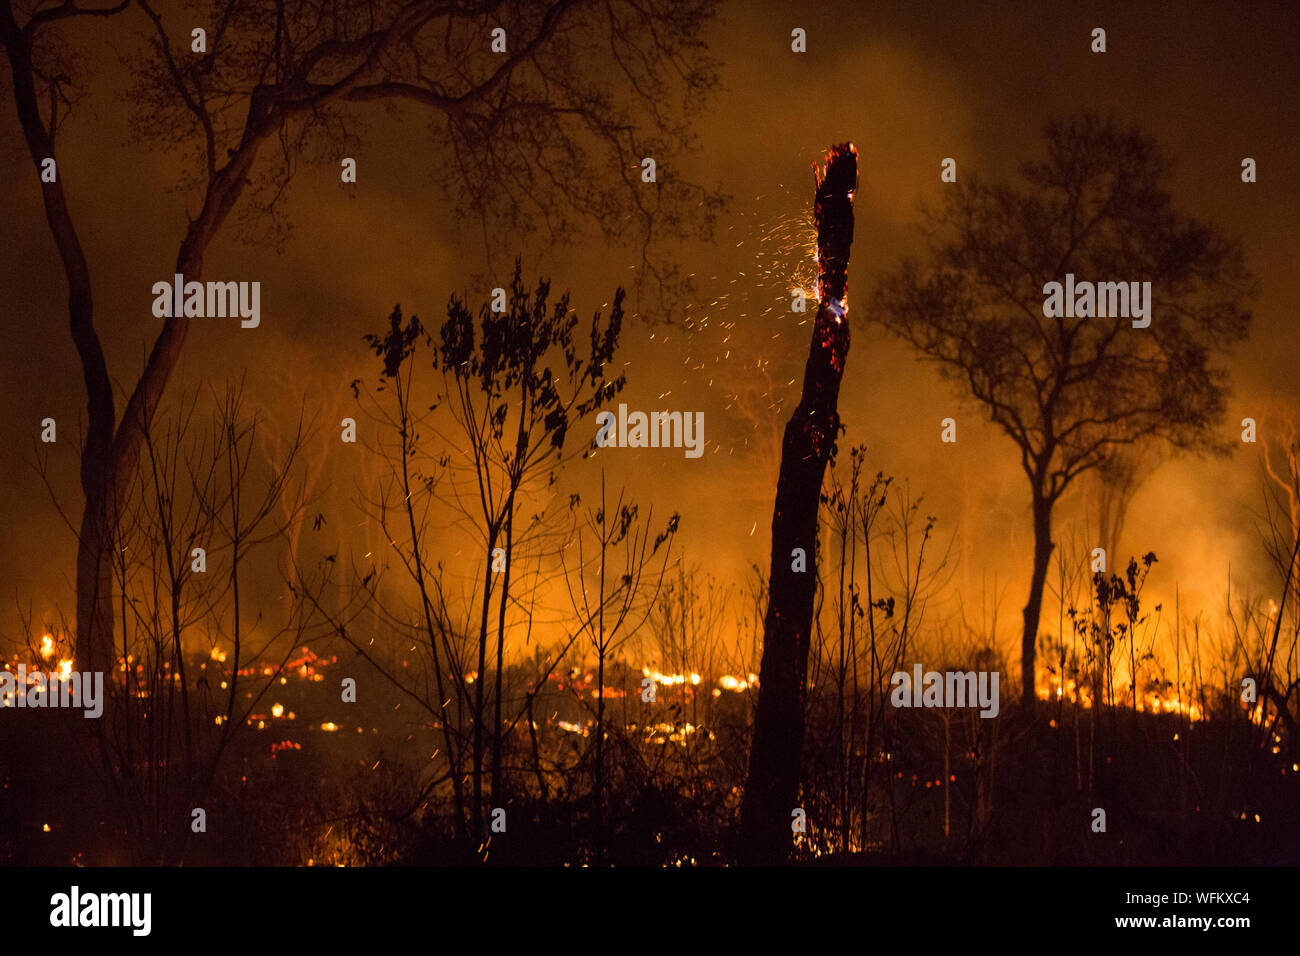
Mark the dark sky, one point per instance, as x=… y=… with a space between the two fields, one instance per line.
x=908 y=83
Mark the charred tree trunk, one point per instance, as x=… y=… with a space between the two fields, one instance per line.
x=772 y=785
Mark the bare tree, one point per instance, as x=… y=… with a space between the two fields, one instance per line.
x=884 y=573
x=164 y=743
x=619 y=606
x=1115 y=481
x=1069 y=391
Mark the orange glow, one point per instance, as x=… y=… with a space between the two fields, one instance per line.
x=1051 y=687
x=670 y=679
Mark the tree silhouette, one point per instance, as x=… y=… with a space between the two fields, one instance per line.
x=1071 y=391
x=515 y=390
x=550 y=130
x=619 y=606
x=773 y=781
x=514 y=386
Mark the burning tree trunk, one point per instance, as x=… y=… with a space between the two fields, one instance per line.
x=773 y=782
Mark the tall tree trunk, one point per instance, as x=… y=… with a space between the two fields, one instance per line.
x=94 y=570
x=112 y=449
x=112 y=454
x=1029 y=640
x=773 y=781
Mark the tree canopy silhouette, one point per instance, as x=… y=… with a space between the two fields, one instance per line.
x=1071 y=391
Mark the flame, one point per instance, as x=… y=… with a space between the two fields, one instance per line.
x=1051 y=687
x=669 y=679
x=737 y=684
x=47 y=646
x=664 y=733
